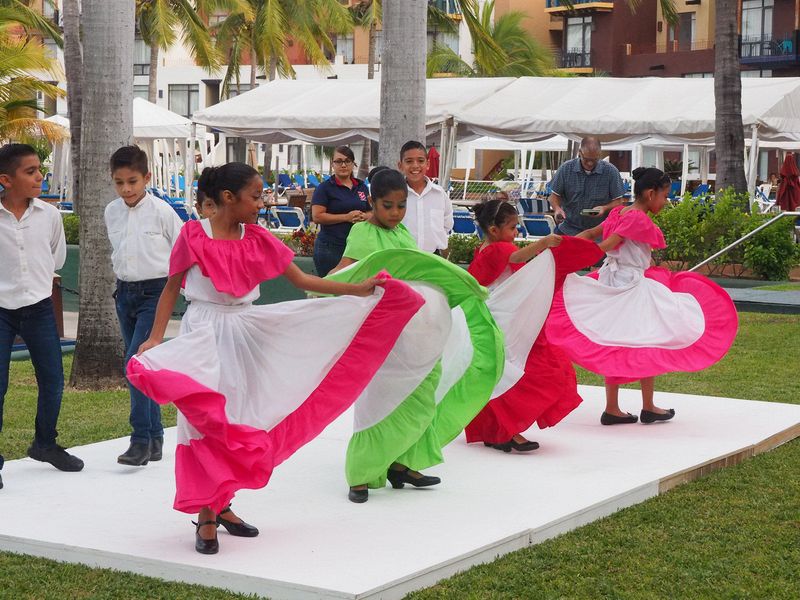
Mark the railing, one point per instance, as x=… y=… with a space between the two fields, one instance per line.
x=573 y=58
x=576 y=4
x=768 y=45
x=668 y=47
x=745 y=237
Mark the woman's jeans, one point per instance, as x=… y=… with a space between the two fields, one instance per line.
x=327 y=254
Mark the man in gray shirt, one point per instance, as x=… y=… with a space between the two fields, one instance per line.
x=585 y=189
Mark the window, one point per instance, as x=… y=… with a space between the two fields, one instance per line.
x=141 y=91
x=235 y=90
x=49 y=9
x=757 y=73
x=217 y=18
x=51 y=49
x=344 y=47
x=756 y=26
x=141 y=57
x=378 y=46
x=294 y=156
x=698 y=75
x=184 y=99
x=441 y=38
x=578 y=42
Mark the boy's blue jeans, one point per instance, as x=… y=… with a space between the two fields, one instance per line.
x=36 y=324
x=136 y=309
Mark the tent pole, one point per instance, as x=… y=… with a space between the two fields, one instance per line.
x=752 y=174
x=684 y=168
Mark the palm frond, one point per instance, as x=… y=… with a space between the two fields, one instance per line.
x=196 y=36
x=19 y=12
x=443 y=59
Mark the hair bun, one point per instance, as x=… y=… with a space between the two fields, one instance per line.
x=638 y=172
x=478 y=209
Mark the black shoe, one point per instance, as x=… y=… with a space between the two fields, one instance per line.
x=358 y=496
x=238 y=529
x=526 y=446
x=156 y=446
x=399 y=478
x=204 y=546
x=56 y=456
x=136 y=455
x=609 y=419
x=652 y=417
x=1 y=482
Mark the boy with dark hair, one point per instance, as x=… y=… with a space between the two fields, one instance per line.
x=32 y=247
x=142 y=230
x=429 y=212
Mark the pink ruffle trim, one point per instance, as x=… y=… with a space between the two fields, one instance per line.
x=622 y=365
x=633 y=225
x=230 y=457
x=234 y=266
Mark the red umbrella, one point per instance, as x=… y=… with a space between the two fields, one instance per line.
x=789 y=187
x=433 y=163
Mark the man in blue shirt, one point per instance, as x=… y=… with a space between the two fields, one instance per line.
x=585 y=189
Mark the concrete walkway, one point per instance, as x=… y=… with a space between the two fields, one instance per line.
x=753 y=299
x=71 y=326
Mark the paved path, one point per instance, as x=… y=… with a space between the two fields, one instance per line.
x=71 y=326
x=756 y=296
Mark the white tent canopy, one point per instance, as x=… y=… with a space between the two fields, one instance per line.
x=163 y=134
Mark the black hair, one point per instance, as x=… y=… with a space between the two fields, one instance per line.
x=11 y=155
x=412 y=145
x=346 y=151
x=375 y=171
x=385 y=181
x=131 y=157
x=649 y=179
x=493 y=213
x=231 y=177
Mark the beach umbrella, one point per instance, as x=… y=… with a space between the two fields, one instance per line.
x=433 y=163
x=789 y=188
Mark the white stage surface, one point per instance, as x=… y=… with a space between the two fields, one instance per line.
x=314 y=543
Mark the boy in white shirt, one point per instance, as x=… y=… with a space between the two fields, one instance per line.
x=142 y=230
x=429 y=212
x=32 y=247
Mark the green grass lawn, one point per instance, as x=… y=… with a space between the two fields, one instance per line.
x=781 y=287
x=733 y=534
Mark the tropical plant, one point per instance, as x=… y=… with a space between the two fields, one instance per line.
x=501 y=47
x=21 y=55
x=73 y=65
x=21 y=13
x=160 y=22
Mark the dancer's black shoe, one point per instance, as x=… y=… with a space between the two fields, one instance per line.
x=358 y=496
x=204 y=546
x=399 y=478
x=651 y=417
x=609 y=419
x=238 y=529
x=512 y=444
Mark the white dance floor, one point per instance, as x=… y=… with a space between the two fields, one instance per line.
x=314 y=543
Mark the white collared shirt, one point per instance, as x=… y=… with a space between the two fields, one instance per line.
x=429 y=217
x=141 y=237
x=31 y=250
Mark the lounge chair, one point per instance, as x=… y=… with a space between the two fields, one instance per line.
x=762 y=198
x=464 y=222
x=313 y=181
x=288 y=218
x=538 y=226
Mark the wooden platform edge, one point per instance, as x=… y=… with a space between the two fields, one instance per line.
x=729 y=460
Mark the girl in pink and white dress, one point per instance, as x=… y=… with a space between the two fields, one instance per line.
x=630 y=321
x=252 y=384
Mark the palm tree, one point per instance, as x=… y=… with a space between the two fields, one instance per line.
x=19 y=12
x=160 y=21
x=402 y=77
x=729 y=135
x=73 y=65
x=502 y=47
x=108 y=32
x=19 y=56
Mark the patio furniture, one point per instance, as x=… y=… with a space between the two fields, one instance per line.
x=463 y=222
x=288 y=218
x=538 y=226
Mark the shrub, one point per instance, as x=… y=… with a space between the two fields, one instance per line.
x=462 y=247
x=771 y=253
x=71 y=228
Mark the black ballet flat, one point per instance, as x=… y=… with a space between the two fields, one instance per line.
x=204 y=546
x=651 y=417
x=526 y=446
x=609 y=419
x=238 y=529
x=358 y=496
x=400 y=478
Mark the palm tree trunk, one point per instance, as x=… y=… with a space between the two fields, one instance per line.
x=268 y=175
x=108 y=26
x=253 y=68
x=152 y=81
x=366 y=155
x=402 y=77
x=729 y=138
x=73 y=65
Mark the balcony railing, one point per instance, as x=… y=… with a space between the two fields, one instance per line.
x=669 y=47
x=574 y=58
x=566 y=5
x=769 y=48
x=450 y=7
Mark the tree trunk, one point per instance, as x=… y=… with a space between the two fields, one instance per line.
x=253 y=68
x=729 y=138
x=152 y=81
x=402 y=77
x=108 y=26
x=73 y=65
x=366 y=156
x=268 y=174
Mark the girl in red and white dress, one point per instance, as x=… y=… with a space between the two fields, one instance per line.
x=629 y=321
x=252 y=384
x=540 y=383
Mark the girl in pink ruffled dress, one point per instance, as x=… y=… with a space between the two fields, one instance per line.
x=630 y=321
x=252 y=384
